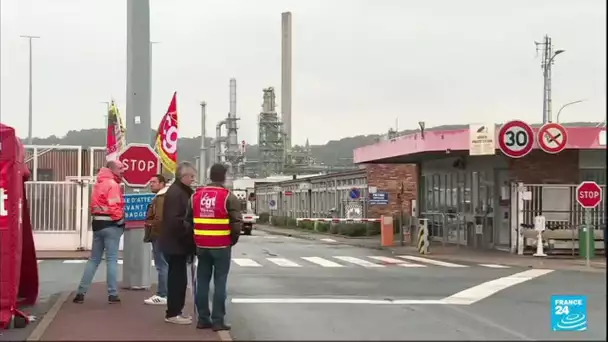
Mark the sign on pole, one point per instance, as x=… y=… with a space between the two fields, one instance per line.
x=136 y=206
x=354 y=193
x=141 y=164
x=552 y=137
x=379 y=197
x=588 y=194
x=272 y=204
x=482 y=139
x=516 y=139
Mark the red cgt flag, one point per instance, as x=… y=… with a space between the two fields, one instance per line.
x=167 y=135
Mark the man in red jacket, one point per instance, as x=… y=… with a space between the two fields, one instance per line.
x=108 y=213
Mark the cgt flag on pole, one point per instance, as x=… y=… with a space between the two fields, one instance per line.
x=115 y=133
x=167 y=135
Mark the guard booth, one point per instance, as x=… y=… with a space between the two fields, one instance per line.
x=480 y=186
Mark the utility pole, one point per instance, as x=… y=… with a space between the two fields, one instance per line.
x=31 y=107
x=136 y=253
x=151 y=45
x=105 y=116
x=548 y=57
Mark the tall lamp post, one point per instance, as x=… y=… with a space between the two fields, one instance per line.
x=564 y=106
x=31 y=109
x=151 y=69
x=105 y=116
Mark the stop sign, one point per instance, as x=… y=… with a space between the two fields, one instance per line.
x=588 y=194
x=141 y=163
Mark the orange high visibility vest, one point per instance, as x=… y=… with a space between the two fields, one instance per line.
x=211 y=220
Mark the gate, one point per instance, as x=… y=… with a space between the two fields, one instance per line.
x=563 y=216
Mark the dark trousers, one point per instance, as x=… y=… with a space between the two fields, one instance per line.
x=216 y=262
x=177 y=284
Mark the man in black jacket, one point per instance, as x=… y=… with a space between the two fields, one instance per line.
x=177 y=242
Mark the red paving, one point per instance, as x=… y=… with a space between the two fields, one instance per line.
x=131 y=320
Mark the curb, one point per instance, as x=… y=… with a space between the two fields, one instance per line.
x=48 y=318
x=308 y=237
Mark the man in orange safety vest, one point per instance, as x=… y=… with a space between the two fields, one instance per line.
x=215 y=217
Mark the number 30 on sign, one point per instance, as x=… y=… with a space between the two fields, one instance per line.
x=516 y=139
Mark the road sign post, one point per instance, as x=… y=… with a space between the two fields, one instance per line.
x=552 y=138
x=516 y=139
x=588 y=196
x=136 y=253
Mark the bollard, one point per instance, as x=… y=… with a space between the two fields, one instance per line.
x=539 y=226
x=423 y=236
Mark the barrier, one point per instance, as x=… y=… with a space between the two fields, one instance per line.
x=337 y=220
x=386 y=231
x=423 y=236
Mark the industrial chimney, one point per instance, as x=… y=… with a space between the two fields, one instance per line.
x=286 y=76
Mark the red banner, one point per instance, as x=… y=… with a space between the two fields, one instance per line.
x=167 y=136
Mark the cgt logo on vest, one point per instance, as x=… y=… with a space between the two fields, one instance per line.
x=207 y=205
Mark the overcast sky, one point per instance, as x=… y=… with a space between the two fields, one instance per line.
x=358 y=65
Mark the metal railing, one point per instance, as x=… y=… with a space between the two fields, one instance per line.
x=54 y=206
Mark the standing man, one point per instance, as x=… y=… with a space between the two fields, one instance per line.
x=107 y=211
x=215 y=215
x=154 y=219
x=177 y=242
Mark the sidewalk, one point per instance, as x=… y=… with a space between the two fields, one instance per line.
x=131 y=320
x=449 y=253
x=66 y=255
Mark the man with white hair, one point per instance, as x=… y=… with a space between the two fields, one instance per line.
x=177 y=243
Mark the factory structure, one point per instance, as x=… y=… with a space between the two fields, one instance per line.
x=276 y=155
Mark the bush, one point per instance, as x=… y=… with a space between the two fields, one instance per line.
x=263 y=218
x=279 y=221
x=373 y=228
x=291 y=222
x=352 y=229
x=334 y=228
x=307 y=225
x=322 y=227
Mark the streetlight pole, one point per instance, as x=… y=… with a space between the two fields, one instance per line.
x=31 y=107
x=151 y=45
x=564 y=106
x=548 y=57
x=105 y=116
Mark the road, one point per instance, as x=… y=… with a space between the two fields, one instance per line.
x=284 y=288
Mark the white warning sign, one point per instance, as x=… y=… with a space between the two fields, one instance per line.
x=482 y=139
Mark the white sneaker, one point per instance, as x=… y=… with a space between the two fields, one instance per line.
x=156 y=300
x=179 y=320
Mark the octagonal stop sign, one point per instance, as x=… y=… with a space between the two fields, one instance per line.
x=141 y=164
x=588 y=194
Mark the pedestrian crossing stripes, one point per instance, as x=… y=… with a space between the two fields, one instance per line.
x=406 y=261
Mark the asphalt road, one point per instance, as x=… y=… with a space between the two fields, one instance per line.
x=284 y=288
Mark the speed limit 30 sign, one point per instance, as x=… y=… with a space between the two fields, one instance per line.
x=516 y=139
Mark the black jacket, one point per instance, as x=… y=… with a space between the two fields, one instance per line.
x=176 y=238
x=233 y=206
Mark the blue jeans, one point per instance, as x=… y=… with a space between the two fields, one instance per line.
x=214 y=262
x=162 y=268
x=108 y=240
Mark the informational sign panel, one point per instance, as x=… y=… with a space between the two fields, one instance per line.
x=136 y=206
x=380 y=197
x=482 y=139
x=552 y=137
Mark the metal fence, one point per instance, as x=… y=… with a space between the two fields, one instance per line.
x=54 y=206
x=57 y=162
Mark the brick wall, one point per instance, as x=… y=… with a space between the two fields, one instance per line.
x=540 y=167
x=388 y=177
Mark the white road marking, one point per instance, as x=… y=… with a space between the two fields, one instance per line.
x=431 y=261
x=75 y=261
x=283 y=262
x=358 y=261
x=120 y=261
x=270 y=236
x=322 y=262
x=394 y=261
x=328 y=240
x=485 y=290
x=494 y=266
x=246 y=262
x=336 y=301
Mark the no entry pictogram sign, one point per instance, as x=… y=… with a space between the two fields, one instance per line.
x=515 y=139
x=552 y=137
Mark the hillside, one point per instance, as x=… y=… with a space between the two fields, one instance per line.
x=334 y=152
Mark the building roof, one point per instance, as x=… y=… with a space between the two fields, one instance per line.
x=414 y=145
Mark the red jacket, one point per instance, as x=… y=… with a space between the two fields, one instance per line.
x=107 y=198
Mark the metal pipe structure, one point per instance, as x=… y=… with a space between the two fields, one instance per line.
x=202 y=172
x=564 y=106
x=219 y=139
x=30 y=96
x=286 y=76
x=136 y=253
